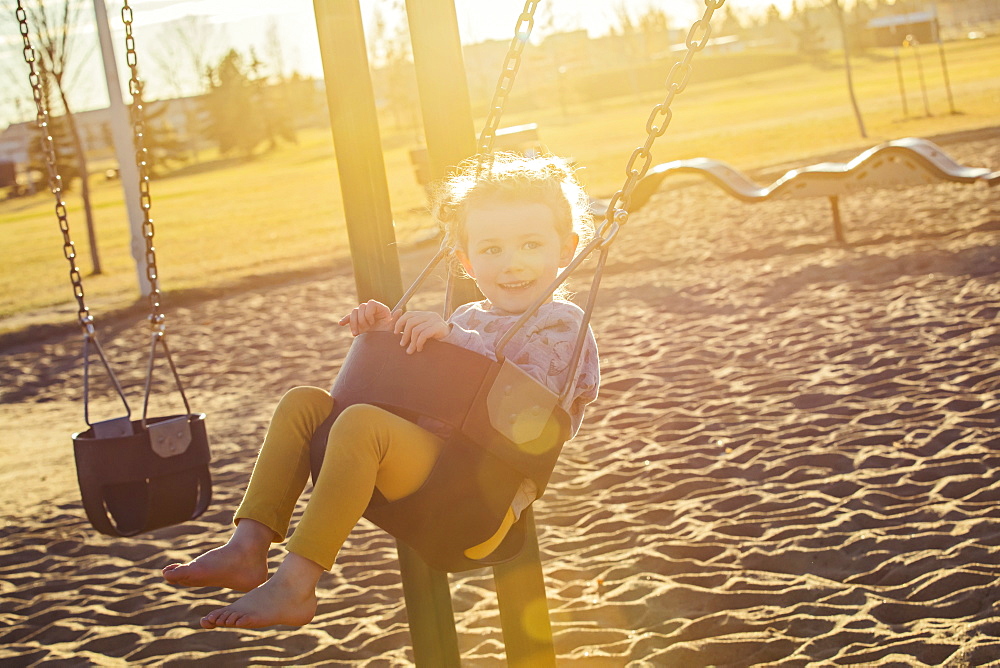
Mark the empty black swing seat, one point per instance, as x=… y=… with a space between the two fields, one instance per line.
x=135 y=478
x=507 y=427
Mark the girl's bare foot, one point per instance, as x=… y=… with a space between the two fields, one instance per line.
x=240 y=564
x=288 y=598
x=222 y=567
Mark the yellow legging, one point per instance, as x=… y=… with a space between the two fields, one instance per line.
x=368 y=448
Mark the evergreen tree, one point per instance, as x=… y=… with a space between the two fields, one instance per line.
x=807 y=30
x=229 y=106
x=272 y=106
x=243 y=111
x=163 y=144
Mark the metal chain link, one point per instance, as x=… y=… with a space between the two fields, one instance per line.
x=69 y=249
x=55 y=180
x=511 y=64
x=660 y=116
x=157 y=318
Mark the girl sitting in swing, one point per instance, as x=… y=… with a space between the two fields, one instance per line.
x=511 y=229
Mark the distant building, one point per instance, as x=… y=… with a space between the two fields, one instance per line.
x=14 y=142
x=951 y=19
x=959 y=18
x=893 y=29
x=94 y=126
x=482 y=67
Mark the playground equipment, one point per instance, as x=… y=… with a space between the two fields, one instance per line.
x=522 y=139
x=898 y=163
x=134 y=475
x=425 y=551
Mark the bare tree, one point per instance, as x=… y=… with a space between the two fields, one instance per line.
x=627 y=32
x=835 y=6
x=12 y=96
x=184 y=54
x=186 y=50
x=391 y=54
x=52 y=33
x=274 y=51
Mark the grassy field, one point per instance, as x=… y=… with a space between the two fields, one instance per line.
x=220 y=225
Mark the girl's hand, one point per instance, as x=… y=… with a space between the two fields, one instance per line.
x=371 y=316
x=417 y=327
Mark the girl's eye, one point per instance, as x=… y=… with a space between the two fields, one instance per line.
x=490 y=250
x=532 y=245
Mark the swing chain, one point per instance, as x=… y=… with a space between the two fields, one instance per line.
x=42 y=121
x=660 y=116
x=511 y=64
x=157 y=318
x=69 y=249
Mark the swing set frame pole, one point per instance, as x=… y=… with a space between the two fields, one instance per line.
x=358 y=148
x=450 y=137
x=441 y=82
x=449 y=129
x=121 y=137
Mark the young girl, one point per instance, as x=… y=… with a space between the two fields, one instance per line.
x=511 y=229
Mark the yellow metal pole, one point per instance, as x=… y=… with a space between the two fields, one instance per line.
x=358 y=148
x=444 y=97
x=429 y=611
x=524 y=611
x=444 y=92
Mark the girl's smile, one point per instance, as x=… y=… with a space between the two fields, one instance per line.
x=514 y=251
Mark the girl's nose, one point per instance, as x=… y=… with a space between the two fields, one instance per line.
x=513 y=260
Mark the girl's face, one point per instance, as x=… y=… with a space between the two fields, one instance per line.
x=514 y=252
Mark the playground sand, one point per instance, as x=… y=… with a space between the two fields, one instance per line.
x=794 y=458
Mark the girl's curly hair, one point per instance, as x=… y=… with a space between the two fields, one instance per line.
x=512 y=178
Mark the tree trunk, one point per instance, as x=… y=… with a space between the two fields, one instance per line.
x=81 y=161
x=847 y=68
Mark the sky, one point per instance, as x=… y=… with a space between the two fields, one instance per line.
x=290 y=25
x=478 y=19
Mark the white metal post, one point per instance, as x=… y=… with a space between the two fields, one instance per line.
x=121 y=135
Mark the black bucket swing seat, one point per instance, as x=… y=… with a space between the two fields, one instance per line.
x=139 y=475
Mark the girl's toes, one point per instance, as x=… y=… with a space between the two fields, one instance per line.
x=226 y=618
x=213 y=619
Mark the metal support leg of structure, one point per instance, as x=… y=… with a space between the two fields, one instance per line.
x=444 y=97
x=358 y=147
x=838 y=228
x=428 y=608
x=524 y=611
